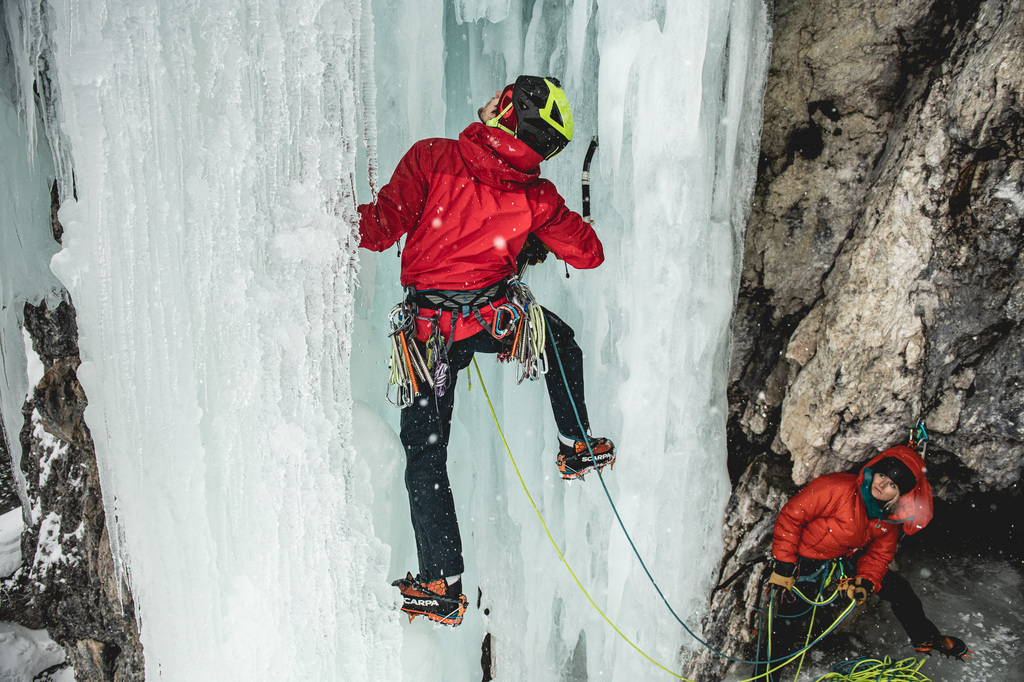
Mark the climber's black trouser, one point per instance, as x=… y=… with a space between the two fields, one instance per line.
x=426 y=427
x=907 y=608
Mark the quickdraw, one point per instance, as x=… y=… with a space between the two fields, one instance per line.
x=919 y=439
x=409 y=371
x=521 y=318
x=437 y=356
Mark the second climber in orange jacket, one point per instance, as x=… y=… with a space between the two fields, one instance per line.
x=829 y=520
x=840 y=515
x=853 y=518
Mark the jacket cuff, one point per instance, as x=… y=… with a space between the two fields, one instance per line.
x=784 y=568
x=867 y=582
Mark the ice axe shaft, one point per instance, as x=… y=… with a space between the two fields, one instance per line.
x=586 y=179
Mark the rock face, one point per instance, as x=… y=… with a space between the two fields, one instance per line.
x=67 y=582
x=883 y=278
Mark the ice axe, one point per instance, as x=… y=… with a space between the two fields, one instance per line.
x=586 y=186
x=586 y=180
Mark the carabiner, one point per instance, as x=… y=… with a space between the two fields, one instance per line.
x=500 y=329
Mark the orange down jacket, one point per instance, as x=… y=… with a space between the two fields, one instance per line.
x=828 y=520
x=467 y=206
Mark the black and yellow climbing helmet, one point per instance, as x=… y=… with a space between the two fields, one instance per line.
x=543 y=118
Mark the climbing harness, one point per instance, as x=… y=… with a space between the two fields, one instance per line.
x=823 y=577
x=518 y=322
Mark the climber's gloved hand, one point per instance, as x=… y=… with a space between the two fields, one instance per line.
x=857 y=589
x=782 y=575
x=532 y=253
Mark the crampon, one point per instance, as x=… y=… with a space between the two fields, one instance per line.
x=575 y=461
x=437 y=600
x=945 y=645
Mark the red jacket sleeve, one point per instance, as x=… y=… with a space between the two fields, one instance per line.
x=565 y=232
x=399 y=205
x=874 y=562
x=791 y=521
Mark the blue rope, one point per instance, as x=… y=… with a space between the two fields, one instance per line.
x=636 y=552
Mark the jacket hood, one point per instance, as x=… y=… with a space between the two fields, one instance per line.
x=497 y=159
x=914 y=509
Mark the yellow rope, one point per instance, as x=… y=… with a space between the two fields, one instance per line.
x=552 y=539
x=875 y=670
x=814 y=612
x=597 y=608
x=800 y=655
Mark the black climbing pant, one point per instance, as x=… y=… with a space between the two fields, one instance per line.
x=426 y=428
x=907 y=608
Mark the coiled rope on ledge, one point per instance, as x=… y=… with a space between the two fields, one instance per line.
x=877 y=670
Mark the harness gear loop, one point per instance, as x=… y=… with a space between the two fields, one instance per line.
x=529 y=340
x=402 y=368
x=518 y=322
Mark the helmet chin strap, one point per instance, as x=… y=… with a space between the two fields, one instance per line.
x=496 y=121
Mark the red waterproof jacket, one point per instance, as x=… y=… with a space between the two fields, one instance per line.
x=467 y=206
x=828 y=519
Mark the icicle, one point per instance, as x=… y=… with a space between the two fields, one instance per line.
x=367 y=89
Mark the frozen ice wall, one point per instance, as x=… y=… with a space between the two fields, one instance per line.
x=674 y=92
x=211 y=153
x=26 y=244
x=207 y=249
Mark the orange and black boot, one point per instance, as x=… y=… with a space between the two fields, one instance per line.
x=437 y=600
x=575 y=459
x=953 y=647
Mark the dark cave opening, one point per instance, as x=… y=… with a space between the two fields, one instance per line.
x=988 y=524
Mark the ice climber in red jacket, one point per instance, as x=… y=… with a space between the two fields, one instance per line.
x=467 y=208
